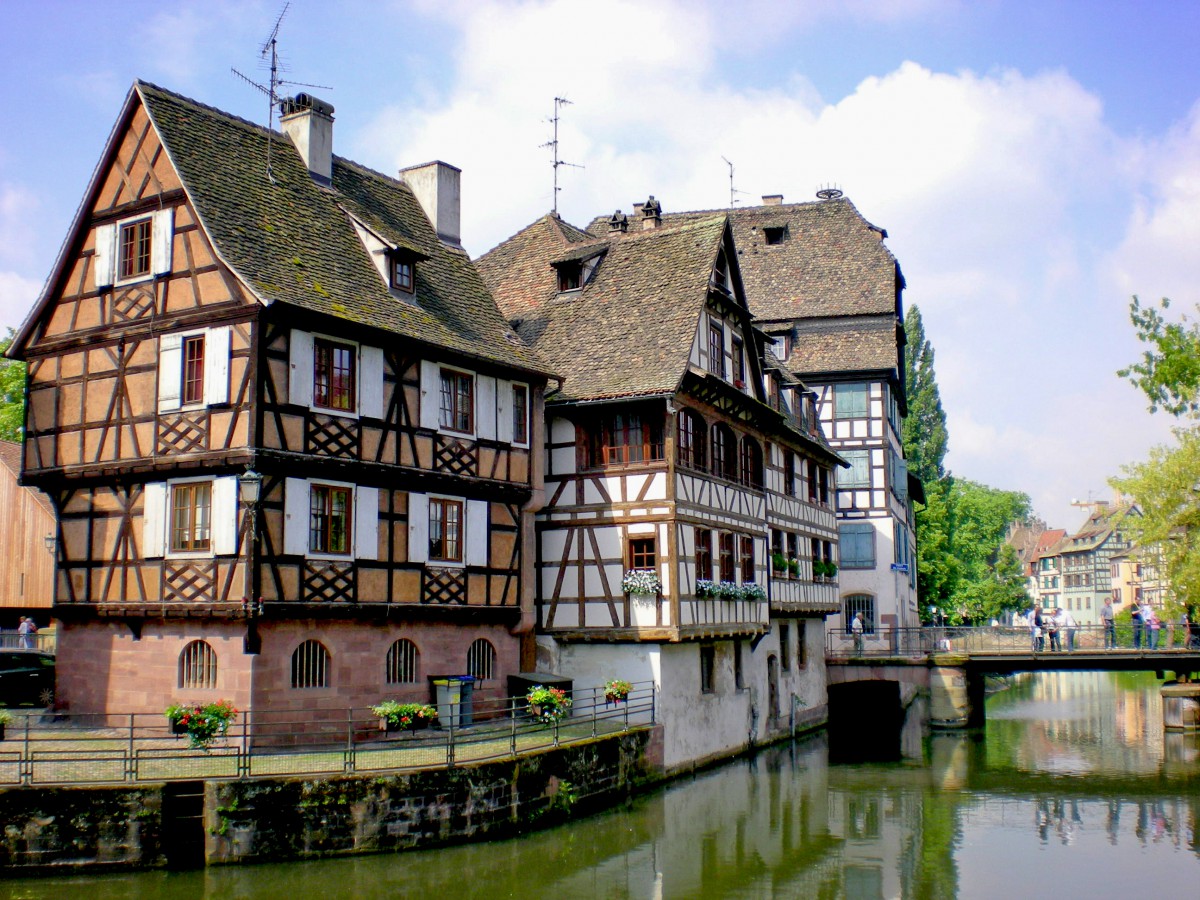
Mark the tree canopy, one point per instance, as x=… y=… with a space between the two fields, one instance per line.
x=12 y=393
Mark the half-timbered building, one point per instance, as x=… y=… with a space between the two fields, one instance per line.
x=823 y=285
x=287 y=432
x=689 y=513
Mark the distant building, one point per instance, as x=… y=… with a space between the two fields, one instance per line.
x=1044 y=569
x=1085 y=560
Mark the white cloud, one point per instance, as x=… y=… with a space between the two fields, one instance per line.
x=17 y=296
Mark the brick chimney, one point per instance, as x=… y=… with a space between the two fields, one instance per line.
x=309 y=123
x=772 y=200
x=438 y=187
x=651 y=214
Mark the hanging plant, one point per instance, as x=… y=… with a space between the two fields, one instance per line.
x=641 y=581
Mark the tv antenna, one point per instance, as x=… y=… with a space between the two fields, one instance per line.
x=559 y=102
x=732 y=190
x=268 y=54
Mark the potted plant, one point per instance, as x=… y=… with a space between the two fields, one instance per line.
x=753 y=592
x=5 y=718
x=818 y=568
x=779 y=564
x=616 y=691
x=794 y=568
x=641 y=582
x=705 y=588
x=397 y=716
x=831 y=569
x=203 y=723
x=548 y=704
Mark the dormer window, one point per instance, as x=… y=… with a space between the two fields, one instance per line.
x=720 y=275
x=402 y=274
x=776 y=234
x=570 y=276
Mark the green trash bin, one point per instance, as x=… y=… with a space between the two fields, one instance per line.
x=453 y=697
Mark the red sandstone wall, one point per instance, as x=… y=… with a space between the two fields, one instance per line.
x=101 y=668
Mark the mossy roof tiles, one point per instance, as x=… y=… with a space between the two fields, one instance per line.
x=292 y=240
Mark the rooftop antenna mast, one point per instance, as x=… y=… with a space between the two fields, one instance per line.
x=732 y=190
x=268 y=54
x=559 y=102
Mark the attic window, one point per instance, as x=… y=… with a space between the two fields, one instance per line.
x=570 y=276
x=402 y=274
x=775 y=234
x=135 y=248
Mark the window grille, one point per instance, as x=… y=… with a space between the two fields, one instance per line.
x=310 y=665
x=198 y=666
x=864 y=603
x=402 y=662
x=481 y=660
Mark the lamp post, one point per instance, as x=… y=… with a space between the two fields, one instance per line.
x=249 y=492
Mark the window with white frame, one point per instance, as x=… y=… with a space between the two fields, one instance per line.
x=458 y=401
x=330 y=519
x=856 y=545
x=190 y=517
x=134 y=249
x=447 y=531
x=335 y=376
x=193 y=368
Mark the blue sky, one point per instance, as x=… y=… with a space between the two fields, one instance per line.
x=1035 y=163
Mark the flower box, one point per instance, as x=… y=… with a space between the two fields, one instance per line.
x=396 y=716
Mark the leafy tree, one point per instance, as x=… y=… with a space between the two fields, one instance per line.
x=1168 y=373
x=925 y=435
x=12 y=393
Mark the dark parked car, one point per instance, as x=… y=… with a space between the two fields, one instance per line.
x=26 y=676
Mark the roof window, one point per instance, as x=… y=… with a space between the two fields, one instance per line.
x=775 y=234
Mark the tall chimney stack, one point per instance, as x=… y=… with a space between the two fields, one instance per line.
x=438 y=187
x=772 y=199
x=309 y=123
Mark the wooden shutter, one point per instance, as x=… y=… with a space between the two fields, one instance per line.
x=366 y=523
x=504 y=414
x=485 y=407
x=170 y=371
x=300 y=379
x=295 y=516
x=154 y=519
x=216 y=365
x=162 y=243
x=104 y=263
x=477 y=537
x=418 y=528
x=431 y=394
x=224 y=516
x=370 y=383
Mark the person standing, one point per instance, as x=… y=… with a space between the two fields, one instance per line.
x=1135 y=615
x=1035 y=628
x=1110 y=628
x=26 y=629
x=1069 y=625
x=856 y=627
x=1054 y=629
x=1153 y=626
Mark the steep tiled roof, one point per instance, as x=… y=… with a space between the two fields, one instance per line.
x=858 y=344
x=629 y=330
x=832 y=262
x=292 y=241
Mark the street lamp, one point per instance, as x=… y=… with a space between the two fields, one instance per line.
x=249 y=488
x=51 y=544
x=249 y=492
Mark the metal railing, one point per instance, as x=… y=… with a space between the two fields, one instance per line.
x=64 y=749
x=40 y=640
x=915 y=642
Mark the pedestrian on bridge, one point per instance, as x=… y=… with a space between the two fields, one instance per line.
x=1135 y=615
x=1110 y=628
x=1054 y=624
x=1035 y=629
x=1153 y=626
x=1069 y=625
x=857 y=628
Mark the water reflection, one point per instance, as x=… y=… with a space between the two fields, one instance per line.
x=1070 y=791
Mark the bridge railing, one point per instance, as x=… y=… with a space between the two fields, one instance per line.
x=1005 y=638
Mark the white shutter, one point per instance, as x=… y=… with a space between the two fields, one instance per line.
x=154 y=519
x=504 y=416
x=170 y=371
x=224 y=516
x=366 y=523
x=163 y=241
x=295 y=516
x=478 y=537
x=431 y=394
x=370 y=383
x=216 y=365
x=418 y=527
x=300 y=379
x=485 y=407
x=104 y=262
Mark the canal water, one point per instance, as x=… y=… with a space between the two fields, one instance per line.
x=1071 y=791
